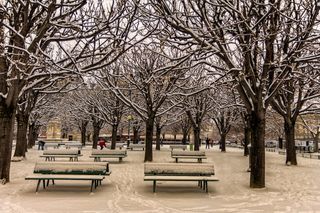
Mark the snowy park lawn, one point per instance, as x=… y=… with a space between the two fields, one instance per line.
x=288 y=188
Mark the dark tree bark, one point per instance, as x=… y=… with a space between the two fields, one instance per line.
x=247 y=134
x=257 y=152
x=149 y=138
x=95 y=135
x=6 y=135
x=22 y=129
x=158 y=134
x=33 y=134
x=114 y=136
x=222 y=121
x=280 y=141
x=247 y=140
x=136 y=130
x=83 y=131
x=184 y=137
x=222 y=142
x=291 y=158
x=185 y=126
x=196 y=133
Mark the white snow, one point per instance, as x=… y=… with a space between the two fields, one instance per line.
x=288 y=188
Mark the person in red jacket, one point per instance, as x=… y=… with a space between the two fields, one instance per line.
x=102 y=143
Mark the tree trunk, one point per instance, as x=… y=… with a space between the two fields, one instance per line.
x=158 y=134
x=196 y=132
x=247 y=140
x=88 y=137
x=257 y=152
x=6 y=134
x=22 y=129
x=280 y=142
x=316 y=143
x=223 y=137
x=114 y=136
x=32 y=135
x=149 y=137
x=163 y=136
x=291 y=158
x=135 y=135
x=95 y=136
x=83 y=131
x=184 y=137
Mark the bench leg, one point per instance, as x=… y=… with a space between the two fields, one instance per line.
x=120 y=159
x=154 y=186
x=38 y=184
x=176 y=160
x=206 y=183
x=48 y=182
x=52 y=182
x=44 y=183
x=92 y=182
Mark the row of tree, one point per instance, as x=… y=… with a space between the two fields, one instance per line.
x=162 y=61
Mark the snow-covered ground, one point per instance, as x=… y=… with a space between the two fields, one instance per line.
x=288 y=188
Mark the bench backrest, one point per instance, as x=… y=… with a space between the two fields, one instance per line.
x=73 y=144
x=136 y=145
x=108 y=152
x=183 y=169
x=187 y=153
x=81 y=168
x=178 y=146
x=117 y=145
x=61 y=152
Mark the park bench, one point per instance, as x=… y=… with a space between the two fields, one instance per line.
x=183 y=147
x=199 y=155
x=54 y=145
x=310 y=155
x=202 y=173
x=92 y=171
x=136 y=146
x=51 y=155
x=118 y=145
x=73 y=145
x=98 y=154
x=282 y=151
x=270 y=149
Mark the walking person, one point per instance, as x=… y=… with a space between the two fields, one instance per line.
x=207 y=143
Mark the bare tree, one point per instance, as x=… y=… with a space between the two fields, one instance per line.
x=295 y=99
x=51 y=40
x=259 y=44
x=149 y=77
x=225 y=112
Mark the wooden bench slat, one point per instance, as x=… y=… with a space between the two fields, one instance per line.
x=65 y=177
x=179 y=178
x=190 y=157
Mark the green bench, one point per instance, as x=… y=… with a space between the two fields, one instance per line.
x=98 y=154
x=199 y=155
x=183 y=147
x=136 y=146
x=51 y=155
x=73 y=144
x=92 y=171
x=118 y=145
x=202 y=173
